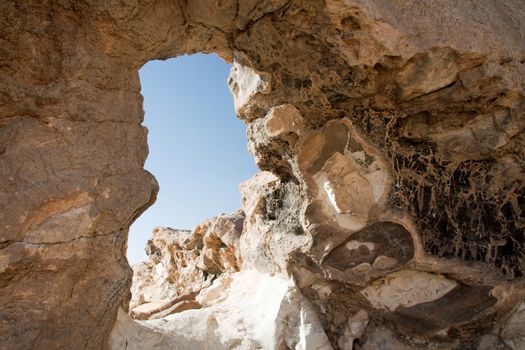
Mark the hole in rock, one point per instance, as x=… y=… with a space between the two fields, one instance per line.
x=197 y=146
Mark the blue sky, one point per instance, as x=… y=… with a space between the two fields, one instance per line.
x=197 y=146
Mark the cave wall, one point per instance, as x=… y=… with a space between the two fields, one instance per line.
x=395 y=129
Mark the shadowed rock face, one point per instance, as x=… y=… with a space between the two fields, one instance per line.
x=391 y=133
x=378 y=243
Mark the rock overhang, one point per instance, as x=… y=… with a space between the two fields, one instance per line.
x=438 y=110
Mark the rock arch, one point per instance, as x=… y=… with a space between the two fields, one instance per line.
x=392 y=95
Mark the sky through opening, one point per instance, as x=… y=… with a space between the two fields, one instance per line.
x=197 y=146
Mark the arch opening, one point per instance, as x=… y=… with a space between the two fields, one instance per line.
x=197 y=146
x=198 y=154
x=443 y=108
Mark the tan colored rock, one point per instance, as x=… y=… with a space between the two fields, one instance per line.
x=384 y=262
x=411 y=143
x=184 y=262
x=266 y=244
x=407 y=288
x=284 y=120
x=348 y=176
x=159 y=309
x=245 y=84
x=255 y=311
x=216 y=292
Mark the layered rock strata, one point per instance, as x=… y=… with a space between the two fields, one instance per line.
x=391 y=209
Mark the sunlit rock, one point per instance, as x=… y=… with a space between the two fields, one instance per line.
x=181 y=263
x=390 y=139
x=244 y=84
x=254 y=311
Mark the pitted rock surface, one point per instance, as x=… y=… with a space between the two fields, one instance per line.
x=391 y=139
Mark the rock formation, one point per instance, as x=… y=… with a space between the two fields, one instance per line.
x=389 y=213
x=182 y=263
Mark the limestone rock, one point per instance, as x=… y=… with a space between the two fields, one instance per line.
x=245 y=84
x=407 y=288
x=283 y=121
x=390 y=136
x=255 y=311
x=184 y=262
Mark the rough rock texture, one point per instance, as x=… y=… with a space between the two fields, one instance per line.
x=393 y=130
x=181 y=263
x=232 y=308
x=252 y=311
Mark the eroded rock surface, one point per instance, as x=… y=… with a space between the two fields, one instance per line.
x=181 y=263
x=391 y=138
